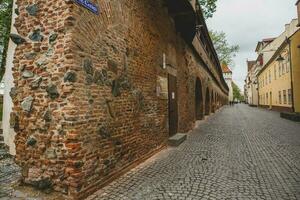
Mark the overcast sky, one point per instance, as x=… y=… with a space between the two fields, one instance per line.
x=246 y=22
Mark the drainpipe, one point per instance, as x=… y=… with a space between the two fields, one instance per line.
x=291 y=72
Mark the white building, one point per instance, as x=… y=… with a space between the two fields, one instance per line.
x=251 y=83
x=227 y=74
x=2 y=87
x=8 y=132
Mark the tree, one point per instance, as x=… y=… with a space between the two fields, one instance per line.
x=237 y=92
x=225 y=51
x=5 y=20
x=209 y=7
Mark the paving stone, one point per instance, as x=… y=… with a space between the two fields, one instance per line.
x=238 y=153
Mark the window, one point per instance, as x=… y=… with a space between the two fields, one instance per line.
x=279 y=69
x=259 y=98
x=284 y=96
x=279 y=95
x=270 y=77
x=267 y=98
x=283 y=67
x=288 y=65
x=290 y=96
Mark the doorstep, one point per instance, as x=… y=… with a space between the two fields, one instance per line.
x=291 y=116
x=177 y=139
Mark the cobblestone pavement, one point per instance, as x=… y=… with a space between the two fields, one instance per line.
x=238 y=153
x=9 y=174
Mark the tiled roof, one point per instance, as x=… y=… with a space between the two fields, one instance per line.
x=226 y=69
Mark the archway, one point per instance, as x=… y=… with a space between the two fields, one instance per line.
x=212 y=101
x=207 y=102
x=198 y=100
x=216 y=102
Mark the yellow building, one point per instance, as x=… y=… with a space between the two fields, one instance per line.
x=275 y=82
x=279 y=79
x=295 y=63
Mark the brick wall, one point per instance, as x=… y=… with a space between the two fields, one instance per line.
x=85 y=104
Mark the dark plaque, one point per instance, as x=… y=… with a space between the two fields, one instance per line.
x=88 y=5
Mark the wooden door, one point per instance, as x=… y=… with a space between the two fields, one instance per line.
x=173 y=107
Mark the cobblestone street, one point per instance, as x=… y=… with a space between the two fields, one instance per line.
x=237 y=153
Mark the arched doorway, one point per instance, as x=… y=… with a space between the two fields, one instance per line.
x=207 y=102
x=212 y=101
x=198 y=100
x=217 y=101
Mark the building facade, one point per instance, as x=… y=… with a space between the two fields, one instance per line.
x=294 y=43
x=275 y=89
x=94 y=93
x=279 y=76
x=8 y=131
x=250 y=84
x=294 y=48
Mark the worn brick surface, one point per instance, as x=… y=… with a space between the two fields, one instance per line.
x=239 y=153
x=85 y=101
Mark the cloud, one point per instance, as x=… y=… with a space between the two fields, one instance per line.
x=246 y=22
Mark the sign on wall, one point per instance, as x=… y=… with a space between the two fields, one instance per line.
x=88 y=5
x=162 y=87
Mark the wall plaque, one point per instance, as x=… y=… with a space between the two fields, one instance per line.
x=162 y=87
x=88 y=5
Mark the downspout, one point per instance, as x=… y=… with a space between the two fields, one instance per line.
x=291 y=72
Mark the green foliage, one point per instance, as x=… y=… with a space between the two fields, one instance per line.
x=225 y=51
x=5 y=21
x=237 y=92
x=209 y=7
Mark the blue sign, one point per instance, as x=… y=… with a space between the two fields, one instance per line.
x=88 y=5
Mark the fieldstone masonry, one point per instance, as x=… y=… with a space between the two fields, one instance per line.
x=85 y=101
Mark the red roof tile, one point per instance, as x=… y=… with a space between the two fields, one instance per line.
x=226 y=69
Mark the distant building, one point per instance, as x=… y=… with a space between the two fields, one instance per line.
x=250 y=83
x=227 y=73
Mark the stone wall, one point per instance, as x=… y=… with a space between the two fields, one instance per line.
x=85 y=101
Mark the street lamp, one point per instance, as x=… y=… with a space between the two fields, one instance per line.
x=280 y=58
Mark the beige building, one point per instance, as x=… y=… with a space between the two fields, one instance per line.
x=279 y=77
x=295 y=58
x=275 y=89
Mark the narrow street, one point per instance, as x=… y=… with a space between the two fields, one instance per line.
x=238 y=153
